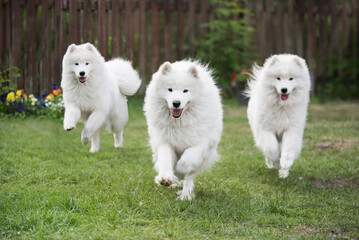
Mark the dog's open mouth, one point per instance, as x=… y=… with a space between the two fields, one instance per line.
x=82 y=79
x=284 y=97
x=176 y=113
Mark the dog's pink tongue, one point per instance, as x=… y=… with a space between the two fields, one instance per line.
x=284 y=97
x=176 y=113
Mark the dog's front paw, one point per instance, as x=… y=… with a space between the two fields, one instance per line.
x=283 y=173
x=167 y=180
x=85 y=139
x=185 y=196
x=69 y=126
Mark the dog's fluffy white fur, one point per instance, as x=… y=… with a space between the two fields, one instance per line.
x=94 y=91
x=277 y=109
x=184 y=117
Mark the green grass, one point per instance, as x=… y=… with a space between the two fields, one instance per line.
x=52 y=188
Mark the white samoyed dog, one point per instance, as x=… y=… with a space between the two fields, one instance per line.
x=184 y=117
x=277 y=109
x=94 y=91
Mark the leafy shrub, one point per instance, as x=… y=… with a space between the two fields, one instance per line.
x=226 y=44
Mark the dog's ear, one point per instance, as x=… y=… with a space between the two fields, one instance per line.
x=272 y=60
x=193 y=71
x=90 y=47
x=298 y=61
x=71 y=48
x=166 y=68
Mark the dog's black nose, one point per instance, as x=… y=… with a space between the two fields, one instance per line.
x=284 y=90
x=176 y=103
x=82 y=73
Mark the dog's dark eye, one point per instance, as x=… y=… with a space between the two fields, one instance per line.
x=170 y=89
x=185 y=90
x=278 y=78
x=290 y=78
x=76 y=64
x=87 y=63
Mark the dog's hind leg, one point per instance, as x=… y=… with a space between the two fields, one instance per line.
x=93 y=124
x=95 y=142
x=291 y=148
x=118 y=139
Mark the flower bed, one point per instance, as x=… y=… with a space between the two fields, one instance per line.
x=19 y=104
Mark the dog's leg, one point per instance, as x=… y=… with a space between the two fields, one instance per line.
x=190 y=161
x=71 y=118
x=188 y=188
x=118 y=139
x=291 y=148
x=93 y=124
x=268 y=144
x=95 y=142
x=164 y=165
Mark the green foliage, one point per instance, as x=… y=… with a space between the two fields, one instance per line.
x=226 y=40
x=341 y=79
x=51 y=187
x=7 y=75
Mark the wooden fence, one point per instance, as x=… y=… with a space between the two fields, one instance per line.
x=35 y=34
x=38 y=32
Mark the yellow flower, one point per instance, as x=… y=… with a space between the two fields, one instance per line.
x=50 y=97
x=10 y=97
x=19 y=92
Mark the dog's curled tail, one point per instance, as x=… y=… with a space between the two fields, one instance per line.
x=252 y=82
x=127 y=77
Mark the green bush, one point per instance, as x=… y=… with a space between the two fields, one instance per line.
x=226 y=40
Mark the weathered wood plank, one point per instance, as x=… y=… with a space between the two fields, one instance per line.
x=155 y=34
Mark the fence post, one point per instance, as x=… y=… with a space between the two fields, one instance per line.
x=155 y=36
x=129 y=30
x=101 y=27
x=73 y=22
x=180 y=29
x=167 y=30
x=191 y=26
x=143 y=46
x=31 y=85
x=45 y=78
x=16 y=39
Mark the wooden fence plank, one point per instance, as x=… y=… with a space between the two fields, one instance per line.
x=59 y=40
x=7 y=27
x=203 y=17
x=191 y=27
x=87 y=23
x=45 y=48
x=279 y=39
x=311 y=40
x=16 y=39
x=101 y=27
x=129 y=30
x=73 y=26
x=167 y=30
x=334 y=36
x=268 y=30
x=143 y=45
x=115 y=28
x=299 y=29
x=155 y=33
x=31 y=85
x=323 y=35
x=2 y=36
x=180 y=29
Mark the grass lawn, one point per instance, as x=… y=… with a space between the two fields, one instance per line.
x=51 y=187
